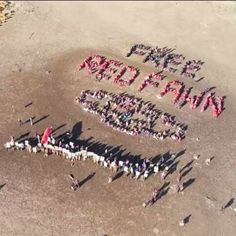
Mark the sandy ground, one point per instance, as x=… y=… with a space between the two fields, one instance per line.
x=56 y=36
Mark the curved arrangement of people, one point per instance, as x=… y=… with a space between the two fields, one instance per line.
x=139 y=169
x=122 y=112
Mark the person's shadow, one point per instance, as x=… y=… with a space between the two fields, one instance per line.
x=186 y=219
x=82 y=182
x=228 y=204
x=2 y=185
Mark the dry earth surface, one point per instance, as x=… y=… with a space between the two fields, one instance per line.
x=56 y=36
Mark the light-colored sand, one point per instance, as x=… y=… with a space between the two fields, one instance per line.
x=56 y=36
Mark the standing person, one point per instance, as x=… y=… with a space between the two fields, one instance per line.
x=31 y=121
x=110 y=179
x=75 y=183
x=164 y=173
x=179 y=177
x=155 y=195
x=19 y=122
x=12 y=141
x=38 y=137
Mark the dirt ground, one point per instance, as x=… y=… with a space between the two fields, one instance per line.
x=40 y=46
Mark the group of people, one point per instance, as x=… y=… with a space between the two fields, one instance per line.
x=191 y=67
x=122 y=112
x=104 y=69
x=165 y=59
x=151 y=80
x=182 y=97
x=137 y=169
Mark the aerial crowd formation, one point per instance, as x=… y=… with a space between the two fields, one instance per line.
x=130 y=115
x=138 y=169
x=123 y=75
x=122 y=112
x=165 y=59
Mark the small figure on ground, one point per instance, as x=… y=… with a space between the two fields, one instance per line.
x=154 y=198
x=20 y=122
x=31 y=121
x=184 y=221
x=75 y=183
x=109 y=179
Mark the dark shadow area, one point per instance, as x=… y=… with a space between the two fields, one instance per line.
x=186 y=219
x=42 y=118
x=162 y=192
x=76 y=131
x=62 y=136
x=118 y=175
x=228 y=204
x=187 y=165
x=223 y=102
x=59 y=127
x=186 y=172
x=28 y=121
x=172 y=168
x=22 y=136
x=82 y=182
x=166 y=184
x=29 y=104
x=180 y=153
x=187 y=183
x=200 y=79
x=2 y=185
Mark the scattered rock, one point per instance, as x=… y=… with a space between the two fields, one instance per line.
x=196 y=157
